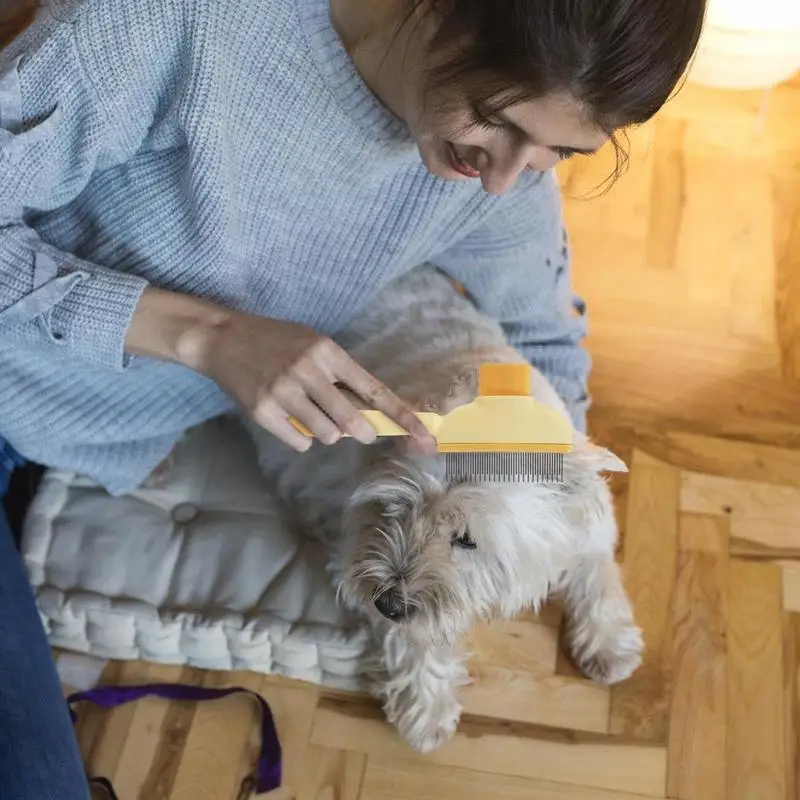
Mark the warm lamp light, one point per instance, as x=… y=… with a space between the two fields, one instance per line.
x=748 y=44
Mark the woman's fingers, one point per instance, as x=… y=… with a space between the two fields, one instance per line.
x=307 y=392
x=271 y=416
x=318 y=384
x=293 y=398
x=339 y=408
x=381 y=398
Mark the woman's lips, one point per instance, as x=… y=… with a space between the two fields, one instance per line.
x=457 y=163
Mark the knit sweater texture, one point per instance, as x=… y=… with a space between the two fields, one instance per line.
x=231 y=151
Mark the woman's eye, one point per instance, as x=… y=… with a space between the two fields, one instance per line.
x=464 y=541
x=563 y=153
x=486 y=120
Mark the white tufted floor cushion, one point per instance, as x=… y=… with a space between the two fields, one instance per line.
x=198 y=571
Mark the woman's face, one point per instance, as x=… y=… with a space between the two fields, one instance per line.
x=460 y=140
x=457 y=139
x=470 y=143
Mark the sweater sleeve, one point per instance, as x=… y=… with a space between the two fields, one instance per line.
x=516 y=267
x=55 y=133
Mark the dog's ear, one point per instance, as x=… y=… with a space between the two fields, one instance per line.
x=604 y=460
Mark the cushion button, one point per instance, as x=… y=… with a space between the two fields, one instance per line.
x=184 y=513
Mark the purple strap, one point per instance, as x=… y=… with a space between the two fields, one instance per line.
x=268 y=774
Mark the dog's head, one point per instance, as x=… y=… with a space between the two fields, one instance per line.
x=433 y=555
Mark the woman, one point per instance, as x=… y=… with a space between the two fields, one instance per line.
x=196 y=195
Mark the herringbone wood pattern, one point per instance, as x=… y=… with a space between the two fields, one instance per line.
x=691 y=267
x=712 y=559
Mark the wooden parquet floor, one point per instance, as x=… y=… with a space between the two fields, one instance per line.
x=691 y=268
x=712 y=558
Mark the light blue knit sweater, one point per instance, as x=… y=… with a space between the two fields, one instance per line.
x=226 y=149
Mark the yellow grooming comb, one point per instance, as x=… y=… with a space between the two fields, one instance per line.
x=503 y=435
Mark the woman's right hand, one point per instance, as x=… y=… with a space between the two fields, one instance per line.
x=274 y=369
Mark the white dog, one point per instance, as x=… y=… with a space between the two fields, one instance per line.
x=420 y=559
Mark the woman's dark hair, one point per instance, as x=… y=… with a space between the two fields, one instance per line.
x=15 y=16
x=620 y=59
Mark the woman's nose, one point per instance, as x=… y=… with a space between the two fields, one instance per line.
x=502 y=171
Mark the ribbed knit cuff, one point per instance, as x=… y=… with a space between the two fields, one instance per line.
x=92 y=320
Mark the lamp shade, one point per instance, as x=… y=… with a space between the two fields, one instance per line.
x=748 y=44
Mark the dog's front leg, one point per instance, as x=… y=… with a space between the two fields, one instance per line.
x=603 y=638
x=418 y=683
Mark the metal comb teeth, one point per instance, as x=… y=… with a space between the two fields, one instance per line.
x=505 y=467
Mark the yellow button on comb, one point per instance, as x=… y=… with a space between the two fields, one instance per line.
x=504 y=380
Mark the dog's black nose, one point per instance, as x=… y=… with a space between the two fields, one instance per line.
x=393 y=606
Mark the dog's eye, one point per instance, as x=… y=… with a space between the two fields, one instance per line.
x=464 y=541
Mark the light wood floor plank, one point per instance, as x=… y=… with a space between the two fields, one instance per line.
x=791 y=686
x=790 y=577
x=667 y=192
x=220 y=733
x=294 y=712
x=732 y=459
x=640 y=706
x=140 y=766
x=501 y=750
x=331 y=774
x=757 y=757
x=404 y=780
x=763 y=514
x=512 y=669
x=698 y=736
x=786 y=213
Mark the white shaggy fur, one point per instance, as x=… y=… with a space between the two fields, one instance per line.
x=401 y=539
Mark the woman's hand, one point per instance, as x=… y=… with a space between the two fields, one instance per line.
x=276 y=369
x=273 y=369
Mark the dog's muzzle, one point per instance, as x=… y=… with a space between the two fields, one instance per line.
x=393 y=605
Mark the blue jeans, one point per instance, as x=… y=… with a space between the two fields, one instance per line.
x=39 y=758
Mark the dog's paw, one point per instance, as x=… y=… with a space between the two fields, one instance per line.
x=426 y=729
x=612 y=657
